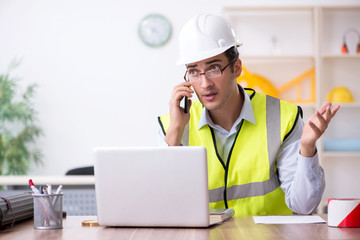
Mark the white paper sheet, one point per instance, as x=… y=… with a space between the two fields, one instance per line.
x=287 y=219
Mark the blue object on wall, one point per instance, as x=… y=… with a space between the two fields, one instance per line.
x=342 y=144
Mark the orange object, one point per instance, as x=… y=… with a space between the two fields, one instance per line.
x=344 y=49
x=297 y=82
x=259 y=83
x=344 y=46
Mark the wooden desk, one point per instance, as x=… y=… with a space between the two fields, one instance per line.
x=236 y=228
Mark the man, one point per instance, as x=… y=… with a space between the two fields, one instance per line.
x=262 y=159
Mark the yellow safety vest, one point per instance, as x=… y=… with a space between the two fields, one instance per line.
x=249 y=181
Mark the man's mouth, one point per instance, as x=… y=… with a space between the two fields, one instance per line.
x=209 y=96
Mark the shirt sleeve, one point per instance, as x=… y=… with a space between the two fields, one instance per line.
x=301 y=178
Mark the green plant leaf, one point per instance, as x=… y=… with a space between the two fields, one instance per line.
x=18 y=128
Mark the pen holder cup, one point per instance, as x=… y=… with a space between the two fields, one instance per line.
x=48 y=212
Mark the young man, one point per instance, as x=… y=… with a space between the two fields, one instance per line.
x=262 y=159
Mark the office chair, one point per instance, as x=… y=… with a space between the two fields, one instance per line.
x=80 y=200
x=81 y=171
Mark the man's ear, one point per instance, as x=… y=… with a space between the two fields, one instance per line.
x=237 y=68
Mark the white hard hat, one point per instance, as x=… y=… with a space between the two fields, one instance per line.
x=205 y=36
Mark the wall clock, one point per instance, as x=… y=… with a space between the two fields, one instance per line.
x=154 y=30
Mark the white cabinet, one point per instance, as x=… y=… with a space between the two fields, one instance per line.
x=280 y=45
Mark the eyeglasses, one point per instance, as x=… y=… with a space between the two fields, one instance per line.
x=215 y=71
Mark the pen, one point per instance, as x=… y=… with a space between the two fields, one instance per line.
x=33 y=188
x=49 y=188
x=40 y=202
x=58 y=191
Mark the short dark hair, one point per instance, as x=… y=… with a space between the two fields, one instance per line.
x=232 y=54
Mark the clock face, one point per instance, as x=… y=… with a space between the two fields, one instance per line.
x=154 y=30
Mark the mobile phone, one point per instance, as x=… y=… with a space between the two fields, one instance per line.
x=186 y=105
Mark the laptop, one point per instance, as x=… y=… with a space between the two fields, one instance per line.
x=152 y=187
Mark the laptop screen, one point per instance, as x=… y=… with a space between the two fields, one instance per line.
x=152 y=186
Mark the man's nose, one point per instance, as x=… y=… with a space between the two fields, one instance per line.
x=205 y=81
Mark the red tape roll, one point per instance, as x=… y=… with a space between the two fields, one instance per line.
x=344 y=212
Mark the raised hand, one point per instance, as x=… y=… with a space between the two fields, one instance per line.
x=315 y=127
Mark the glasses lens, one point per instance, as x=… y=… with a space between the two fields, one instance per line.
x=193 y=77
x=213 y=73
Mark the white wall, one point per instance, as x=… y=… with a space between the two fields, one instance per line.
x=98 y=84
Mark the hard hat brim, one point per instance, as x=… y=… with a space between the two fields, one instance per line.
x=205 y=55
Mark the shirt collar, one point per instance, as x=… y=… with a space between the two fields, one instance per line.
x=247 y=113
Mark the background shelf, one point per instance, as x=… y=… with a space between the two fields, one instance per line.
x=317 y=36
